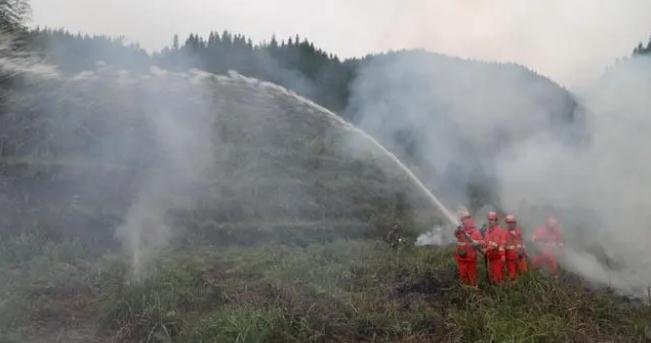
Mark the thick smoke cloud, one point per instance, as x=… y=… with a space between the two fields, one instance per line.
x=454 y=117
x=601 y=191
x=530 y=144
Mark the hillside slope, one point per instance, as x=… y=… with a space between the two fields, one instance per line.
x=222 y=156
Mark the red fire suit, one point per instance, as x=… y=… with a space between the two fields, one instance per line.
x=516 y=261
x=495 y=241
x=466 y=255
x=549 y=242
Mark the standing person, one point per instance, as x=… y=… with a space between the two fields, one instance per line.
x=469 y=240
x=516 y=258
x=495 y=240
x=549 y=243
x=394 y=237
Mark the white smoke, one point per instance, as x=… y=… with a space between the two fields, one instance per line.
x=181 y=134
x=525 y=139
x=183 y=138
x=15 y=61
x=453 y=116
x=435 y=237
x=609 y=178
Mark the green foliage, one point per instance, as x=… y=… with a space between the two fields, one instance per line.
x=155 y=307
x=538 y=309
x=241 y=324
x=18 y=249
x=346 y=291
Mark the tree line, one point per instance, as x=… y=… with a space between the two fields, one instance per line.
x=294 y=63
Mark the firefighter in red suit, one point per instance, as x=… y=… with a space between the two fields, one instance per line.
x=469 y=240
x=495 y=241
x=549 y=243
x=516 y=258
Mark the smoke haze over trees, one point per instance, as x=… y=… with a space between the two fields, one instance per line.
x=294 y=63
x=301 y=67
x=376 y=92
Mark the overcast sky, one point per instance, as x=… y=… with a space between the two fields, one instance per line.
x=571 y=41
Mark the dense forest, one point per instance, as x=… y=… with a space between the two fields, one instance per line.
x=294 y=63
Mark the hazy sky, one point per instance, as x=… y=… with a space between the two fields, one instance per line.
x=571 y=41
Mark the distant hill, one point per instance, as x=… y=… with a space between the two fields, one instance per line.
x=401 y=86
x=455 y=119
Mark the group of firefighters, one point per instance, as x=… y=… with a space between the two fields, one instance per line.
x=504 y=248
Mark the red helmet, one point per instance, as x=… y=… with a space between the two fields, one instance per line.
x=510 y=219
x=492 y=215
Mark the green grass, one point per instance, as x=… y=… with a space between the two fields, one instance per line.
x=342 y=291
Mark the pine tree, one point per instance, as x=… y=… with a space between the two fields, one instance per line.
x=274 y=43
x=175 y=42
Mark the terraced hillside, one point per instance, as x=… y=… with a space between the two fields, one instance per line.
x=223 y=158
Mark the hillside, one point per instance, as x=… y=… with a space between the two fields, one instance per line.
x=143 y=203
x=476 y=109
x=224 y=153
x=456 y=120
x=121 y=224
x=135 y=167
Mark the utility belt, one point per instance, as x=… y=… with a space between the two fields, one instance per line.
x=513 y=247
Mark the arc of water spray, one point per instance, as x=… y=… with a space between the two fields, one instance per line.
x=434 y=200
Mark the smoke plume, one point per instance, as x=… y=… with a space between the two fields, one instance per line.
x=600 y=190
x=473 y=129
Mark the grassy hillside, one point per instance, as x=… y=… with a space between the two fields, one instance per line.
x=226 y=158
x=263 y=217
x=342 y=291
